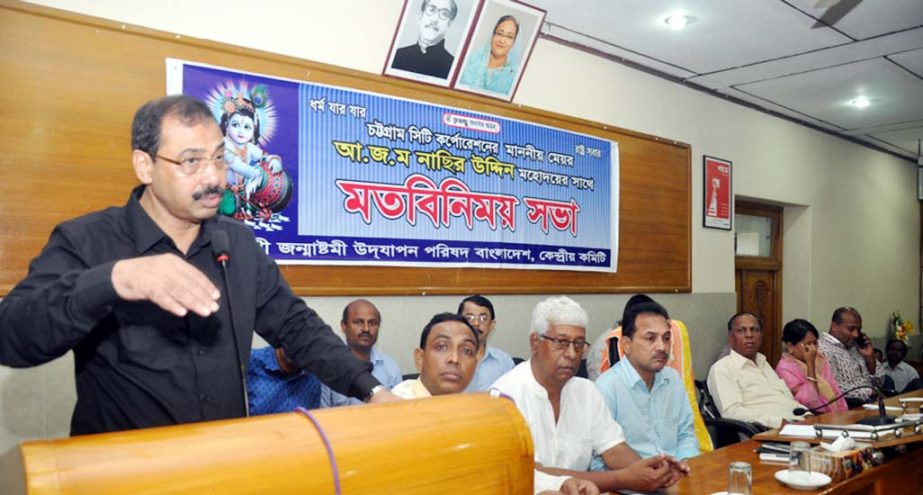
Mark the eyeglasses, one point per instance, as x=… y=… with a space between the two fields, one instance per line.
x=508 y=37
x=472 y=318
x=444 y=14
x=192 y=165
x=580 y=345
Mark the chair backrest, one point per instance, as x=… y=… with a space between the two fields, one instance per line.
x=707 y=406
x=410 y=376
x=582 y=371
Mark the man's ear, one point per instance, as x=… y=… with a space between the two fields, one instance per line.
x=143 y=165
x=418 y=359
x=534 y=340
x=626 y=344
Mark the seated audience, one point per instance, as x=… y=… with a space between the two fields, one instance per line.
x=492 y=362
x=277 y=385
x=851 y=357
x=567 y=416
x=446 y=361
x=647 y=398
x=805 y=370
x=904 y=377
x=879 y=355
x=743 y=384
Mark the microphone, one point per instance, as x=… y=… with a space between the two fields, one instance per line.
x=221 y=247
x=881 y=419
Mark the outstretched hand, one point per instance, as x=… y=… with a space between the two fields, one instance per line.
x=167 y=281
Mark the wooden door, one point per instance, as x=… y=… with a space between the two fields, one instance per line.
x=756 y=294
x=758 y=270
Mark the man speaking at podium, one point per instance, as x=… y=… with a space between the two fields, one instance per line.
x=137 y=293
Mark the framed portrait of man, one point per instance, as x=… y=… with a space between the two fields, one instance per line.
x=500 y=47
x=429 y=40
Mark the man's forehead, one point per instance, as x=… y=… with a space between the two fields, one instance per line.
x=359 y=306
x=851 y=319
x=452 y=331
x=441 y=4
x=475 y=308
x=746 y=321
x=176 y=132
x=565 y=329
x=651 y=322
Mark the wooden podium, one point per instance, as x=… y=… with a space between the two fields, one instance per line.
x=465 y=443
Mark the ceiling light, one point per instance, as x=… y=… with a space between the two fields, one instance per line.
x=678 y=21
x=860 y=102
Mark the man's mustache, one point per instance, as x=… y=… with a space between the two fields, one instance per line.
x=207 y=191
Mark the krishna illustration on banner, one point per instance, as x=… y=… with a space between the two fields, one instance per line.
x=258 y=186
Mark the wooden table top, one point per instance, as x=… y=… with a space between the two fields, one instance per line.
x=710 y=471
x=850 y=417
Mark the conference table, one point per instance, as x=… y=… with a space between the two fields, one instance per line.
x=901 y=473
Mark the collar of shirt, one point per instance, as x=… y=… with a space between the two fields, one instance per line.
x=631 y=376
x=489 y=354
x=147 y=234
x=740 y=361
x=536 y=388
x=376 y=357
x=418 y=389
x=830 y=339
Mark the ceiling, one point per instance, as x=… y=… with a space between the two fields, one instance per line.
x=773 y=55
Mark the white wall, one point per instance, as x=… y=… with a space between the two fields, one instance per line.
x=852 y=222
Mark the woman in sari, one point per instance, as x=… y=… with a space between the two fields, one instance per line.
x=493 y=67
x=806 y=371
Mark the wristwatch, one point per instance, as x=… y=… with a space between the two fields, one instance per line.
x=375 y=390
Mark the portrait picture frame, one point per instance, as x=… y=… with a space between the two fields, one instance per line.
x=717 y=204
x=438 y=63
x=486 y=45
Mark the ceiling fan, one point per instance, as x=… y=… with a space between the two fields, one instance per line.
x=836 y=10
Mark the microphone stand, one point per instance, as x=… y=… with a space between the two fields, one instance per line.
x=882 y=418
x=220 y=245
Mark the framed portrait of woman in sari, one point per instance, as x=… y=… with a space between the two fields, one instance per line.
x=499 y=48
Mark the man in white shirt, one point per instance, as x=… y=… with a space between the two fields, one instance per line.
x=567 y=415
x=904 y=376
x=446 y=361
x=743 y=384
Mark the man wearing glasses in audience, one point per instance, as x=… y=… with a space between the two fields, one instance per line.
x=567 y=415
x=446 y=360
x=428 y=55
x=743 y=384
x=492 y=362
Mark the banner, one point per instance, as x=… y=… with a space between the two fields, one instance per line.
x=328 y=175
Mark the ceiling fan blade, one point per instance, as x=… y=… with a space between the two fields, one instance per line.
x=836 y=12
x=823 y=4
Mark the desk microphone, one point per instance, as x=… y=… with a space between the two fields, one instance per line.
x=881 y=419
x=221 y=248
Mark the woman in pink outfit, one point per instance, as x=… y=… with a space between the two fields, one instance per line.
x=805 y=370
